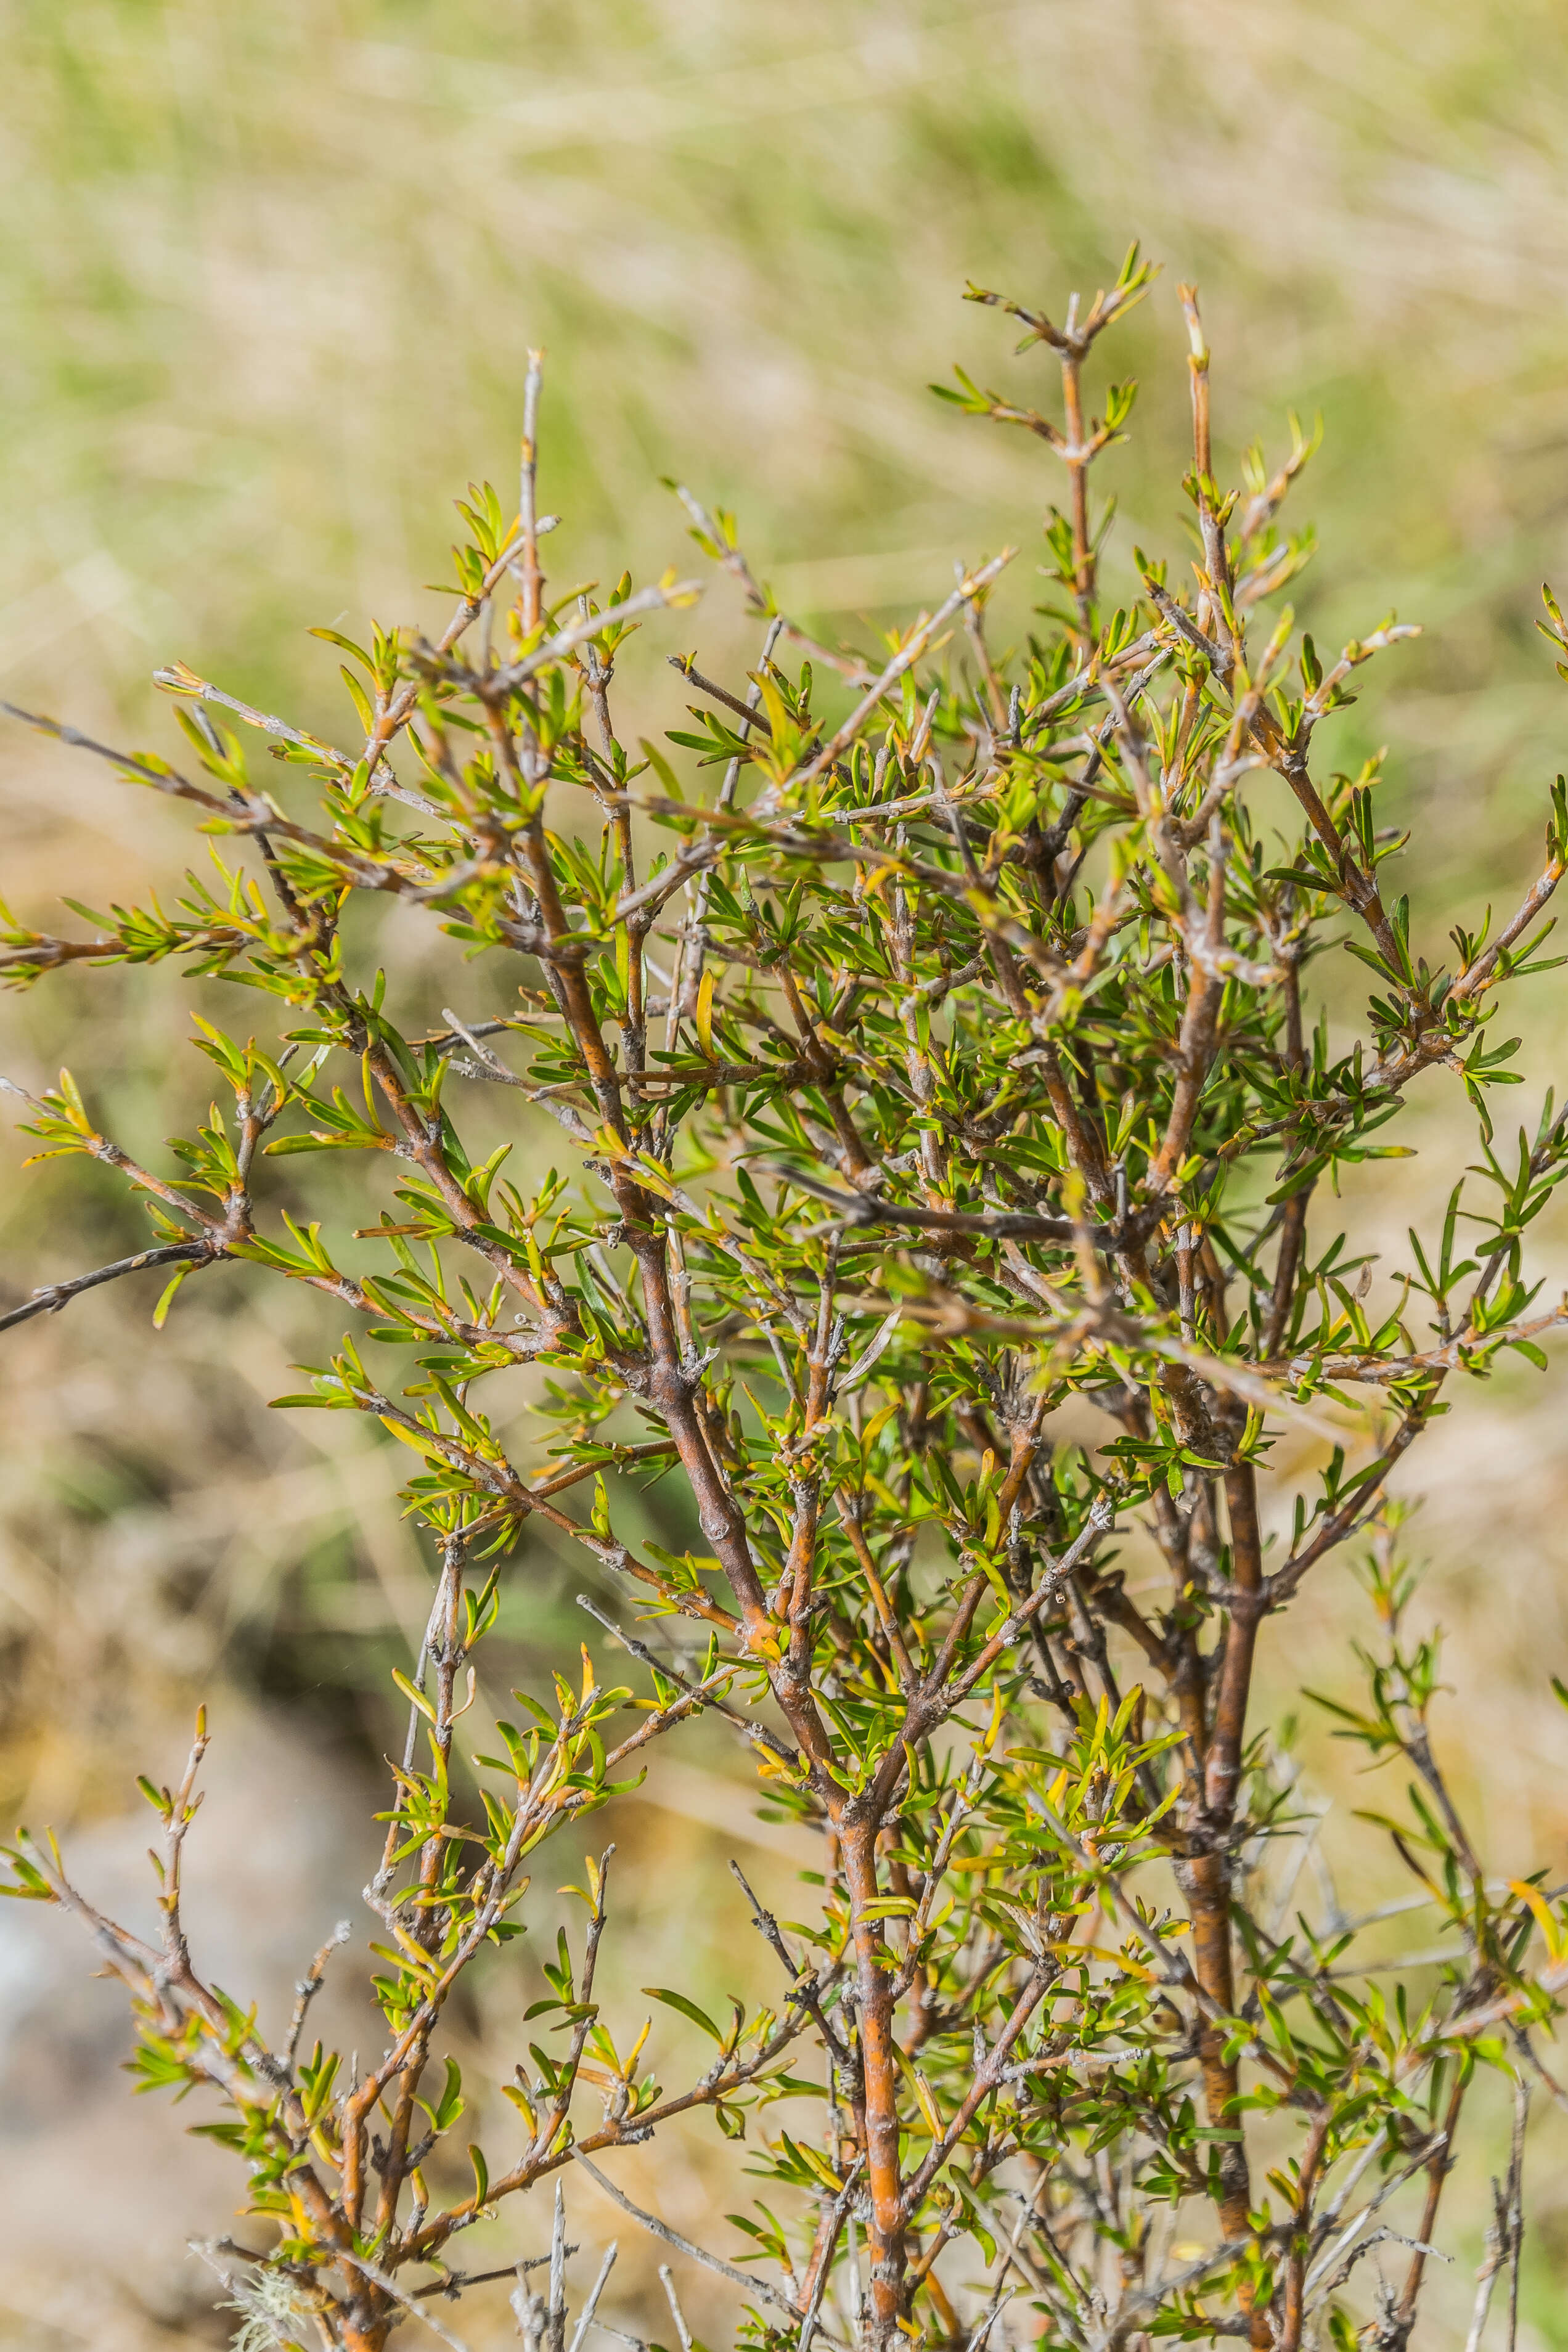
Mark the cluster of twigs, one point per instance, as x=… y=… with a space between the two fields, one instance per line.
x=947 y=1064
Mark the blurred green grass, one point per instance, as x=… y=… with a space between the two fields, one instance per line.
x=272 y=276
x=268 y=285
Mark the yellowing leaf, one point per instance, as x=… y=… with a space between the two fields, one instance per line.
x=161 y=1312
x=1546 y=1918
x=421 y=1443
x=703 y=1015
x=415 y=1696
x=928 y=2103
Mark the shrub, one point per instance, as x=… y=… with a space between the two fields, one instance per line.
x=945 y=1071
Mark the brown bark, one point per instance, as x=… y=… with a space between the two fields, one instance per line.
x=1206 y=1879
x=874 y=1988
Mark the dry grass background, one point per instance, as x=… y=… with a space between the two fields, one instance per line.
x=268 y=276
